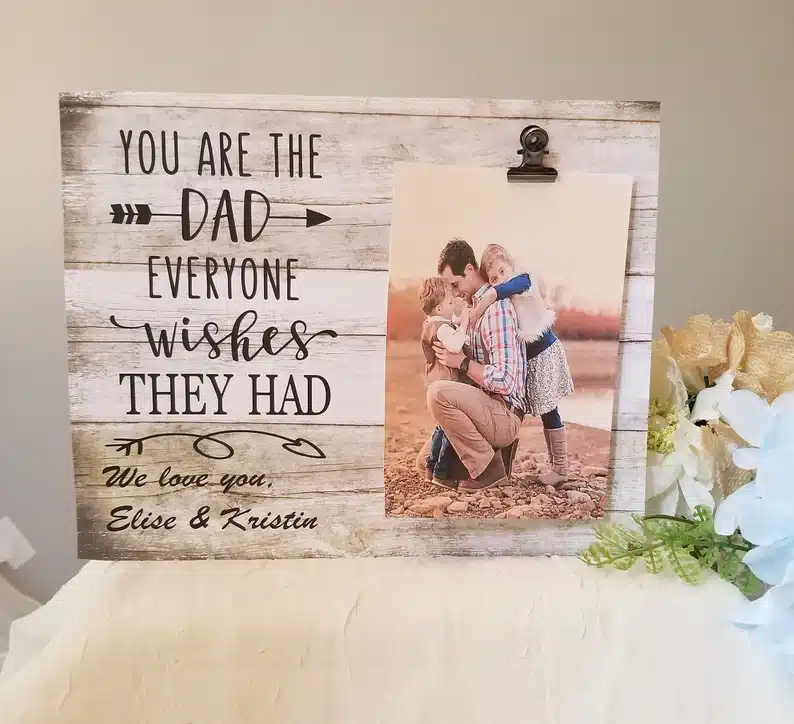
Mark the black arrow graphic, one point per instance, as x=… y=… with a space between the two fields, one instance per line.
x=312 y=218
x=140 y=213
x=297 y=446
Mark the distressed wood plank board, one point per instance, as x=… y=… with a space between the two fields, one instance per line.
x=348 y=523
x=93 y=292
x=357 y=394
x=340 y=264
x=354 y=461
x=353 y=367
x=348 y=302
x=356 y=237
x=626 y=111
x=358 y=165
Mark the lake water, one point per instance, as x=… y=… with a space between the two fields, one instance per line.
x=591 y=408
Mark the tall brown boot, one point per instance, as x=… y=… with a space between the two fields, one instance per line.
x=509 y=456
x=557 y=444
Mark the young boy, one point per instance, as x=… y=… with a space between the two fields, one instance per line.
x=548 y=375
x=437 y=301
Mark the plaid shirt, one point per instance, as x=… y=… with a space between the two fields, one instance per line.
x=496 y=345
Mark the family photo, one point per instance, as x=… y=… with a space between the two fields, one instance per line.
x=504 y=314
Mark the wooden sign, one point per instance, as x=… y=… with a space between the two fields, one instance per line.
x=226 y=274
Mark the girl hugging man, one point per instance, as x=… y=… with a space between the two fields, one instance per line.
x=548 y=375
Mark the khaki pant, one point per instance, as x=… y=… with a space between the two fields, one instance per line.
x=474 y=422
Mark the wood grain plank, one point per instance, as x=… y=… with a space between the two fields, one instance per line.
x=353 y=457
x=628 y=111
x=360 y=139
x=95 y=291
x=637 y=315
x=631 y=401
x=348 y=302
x=356 y=237
x=355 y=164
x=357 y=392
x=347 y=525
x=353 y=462
x=352 y=366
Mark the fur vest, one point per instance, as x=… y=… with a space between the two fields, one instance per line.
x=534 y=317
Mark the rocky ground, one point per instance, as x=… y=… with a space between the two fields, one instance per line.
x=522 y=497
x=408 y=425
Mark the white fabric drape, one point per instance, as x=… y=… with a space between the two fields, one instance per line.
x=439 y=641
x=13 y=605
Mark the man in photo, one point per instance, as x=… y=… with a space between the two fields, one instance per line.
x=482 y=418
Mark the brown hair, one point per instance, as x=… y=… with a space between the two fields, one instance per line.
x=432 y=293
x=492 y=254
x=456 y=255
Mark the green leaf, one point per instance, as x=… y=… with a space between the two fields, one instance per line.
x=599 y=554
x=730 y=566
x=616 y=546
x=623 y=563
x=702 y=514
x=682 y=564
x=747 y=582
x=654 y=560
x=617 y=535
x=685 y=545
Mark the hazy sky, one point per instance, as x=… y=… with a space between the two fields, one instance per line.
x=571 y=232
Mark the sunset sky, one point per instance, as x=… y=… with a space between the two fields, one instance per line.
x=572 y=232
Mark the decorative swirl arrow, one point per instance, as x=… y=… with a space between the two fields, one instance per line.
x=297 y=446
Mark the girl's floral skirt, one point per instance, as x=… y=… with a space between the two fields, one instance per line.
x=548 y=380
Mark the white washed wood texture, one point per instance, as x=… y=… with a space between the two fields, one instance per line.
x=361 y=138
x=353 y=367
x=347 y=301
x=356 y=237
x=353 y=462
x=629 y=111
x=345 y=495
x=349 y=525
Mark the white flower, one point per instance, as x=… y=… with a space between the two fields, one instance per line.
x=707 y=403
x=769 y=429
x=678 y=482
x=762 y=322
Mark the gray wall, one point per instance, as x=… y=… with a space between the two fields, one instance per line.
x=722 y=69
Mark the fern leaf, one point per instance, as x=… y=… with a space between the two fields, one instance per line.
x=617 y=535
x=682 y=564
x=654 y=560
x=702 y=514
x=623 y=563
x=599 y=554
x=603 y=553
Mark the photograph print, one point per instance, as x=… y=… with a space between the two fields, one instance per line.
x=504 y=312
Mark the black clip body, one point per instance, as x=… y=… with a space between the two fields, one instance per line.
x=533 y=141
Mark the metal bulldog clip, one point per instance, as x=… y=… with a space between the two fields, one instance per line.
x=534 y=141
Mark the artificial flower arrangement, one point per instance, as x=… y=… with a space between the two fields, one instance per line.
x=720 y=475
